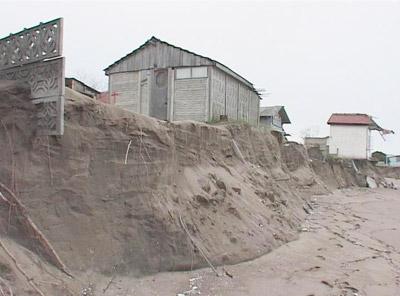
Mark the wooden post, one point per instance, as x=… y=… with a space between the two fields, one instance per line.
x=114 y=95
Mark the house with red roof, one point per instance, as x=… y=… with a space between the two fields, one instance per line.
x=350 y=135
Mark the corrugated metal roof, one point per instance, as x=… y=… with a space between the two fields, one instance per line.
x=272 y=110
x=218 y=64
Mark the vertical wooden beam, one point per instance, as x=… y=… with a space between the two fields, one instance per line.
x=225 y=112
x=211 y=92
x=169 y=94
x=238 y=101
x=172 y=99
x=139 y=93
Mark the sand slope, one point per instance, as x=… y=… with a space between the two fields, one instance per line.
x=125 y=195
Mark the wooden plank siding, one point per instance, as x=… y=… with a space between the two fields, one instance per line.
x=125 y=86
x=195 y=95
x=231 y=93
x=243 y=110
x=217 y=94
x=144 y=93
x=190 y=99
x=254 y=109
x=232 y=98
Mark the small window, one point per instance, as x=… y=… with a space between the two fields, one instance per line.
x=183 y=73
x=194 y=72
x=199 y=72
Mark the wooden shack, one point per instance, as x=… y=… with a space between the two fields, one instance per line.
x=171 y=83
x=81 y=87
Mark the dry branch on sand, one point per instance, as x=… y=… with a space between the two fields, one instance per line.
x=13 y=201
x=5 y=289
x=21 y=270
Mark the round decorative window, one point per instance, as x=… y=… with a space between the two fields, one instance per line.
x=161 y=78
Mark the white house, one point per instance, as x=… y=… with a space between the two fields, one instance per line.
x=350 y=135
x=164 y=81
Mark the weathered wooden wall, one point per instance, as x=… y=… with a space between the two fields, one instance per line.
x=232 y=98
x=217 y=99
x=198 y=97
x=125 y=87
x=144 y=91
x=189 y=99
x=254 y=108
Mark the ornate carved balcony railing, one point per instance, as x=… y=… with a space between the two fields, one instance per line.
x=34 y=56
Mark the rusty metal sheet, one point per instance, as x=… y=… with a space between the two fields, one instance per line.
x=31 y=45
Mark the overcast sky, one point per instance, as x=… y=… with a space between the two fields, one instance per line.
x=315 y=58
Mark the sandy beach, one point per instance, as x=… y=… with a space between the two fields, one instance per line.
x=349 y=245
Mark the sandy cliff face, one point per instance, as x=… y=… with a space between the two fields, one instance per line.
x=121 y=193
x=118 y=190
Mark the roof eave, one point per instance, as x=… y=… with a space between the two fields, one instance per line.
x=284 y=115
x=336 y=123
x=152 y=39
x=234 y=74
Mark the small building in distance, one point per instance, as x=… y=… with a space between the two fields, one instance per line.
x=167 y=82
x=81 y=87
x=379 y=157
x=274 y=117
x=393 y=160
x=350 y=135
x=317 y=147
x=105 y=97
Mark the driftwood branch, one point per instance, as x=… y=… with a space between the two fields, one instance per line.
x=183 y=224
x=140 y=152
x=8 y=291
x=127 y=151
x=31 y=226
x=28 y=278
x=109 y=283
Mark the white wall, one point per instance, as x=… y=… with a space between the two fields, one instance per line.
x=349 y=141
